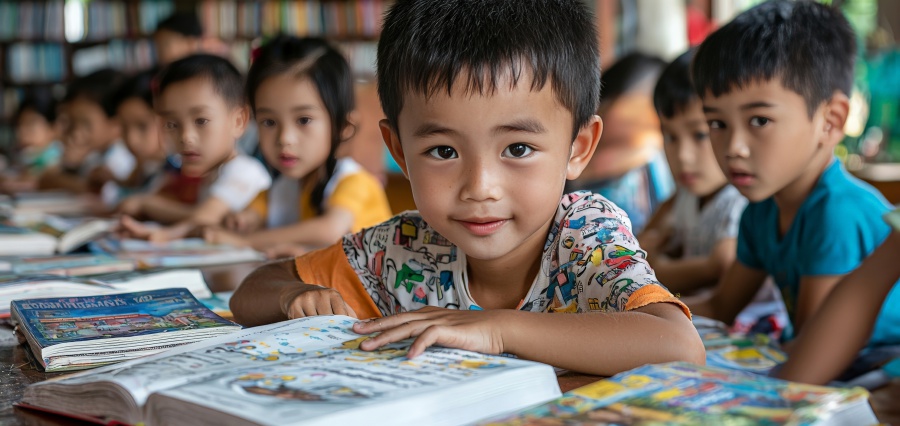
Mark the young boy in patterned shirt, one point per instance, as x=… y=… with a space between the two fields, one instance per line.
x=488 y=122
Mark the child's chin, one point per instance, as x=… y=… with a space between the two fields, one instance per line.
x=193 y=171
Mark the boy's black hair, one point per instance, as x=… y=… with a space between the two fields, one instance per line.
x=41 y=101
x=329 y=72
x=808 y=46
x=138 y=86
x=425 y=46
x=629 y=72
x=97 y=87
x=674 y=90
x=184 y=23
x=225 y=78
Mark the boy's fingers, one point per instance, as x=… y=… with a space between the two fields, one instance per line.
x=402 y=331
x=350 y=311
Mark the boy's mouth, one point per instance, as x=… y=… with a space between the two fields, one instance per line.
x=190 y=156
x=287 y=160
x=482 y=226
x=741 y=178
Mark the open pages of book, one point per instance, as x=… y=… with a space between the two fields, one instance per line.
x=39 y=286
x=188 y=252
x=687 y=394
x=308 y=371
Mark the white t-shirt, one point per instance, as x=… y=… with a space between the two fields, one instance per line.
x=239 y=181
x=119 y=161
x=699 y=230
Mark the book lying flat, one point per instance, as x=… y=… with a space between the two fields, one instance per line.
x=308 y=371
x=85 y=332
x=45 y=202
x=756 y=353
x=65 y=265
x=687 y=394
x=46 y=285
x=72 y=233
x=191 y=252
x=20 y=241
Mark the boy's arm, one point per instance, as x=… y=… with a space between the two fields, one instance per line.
x=593 y=343
x=58 y=178
x=689 y=274
x=843 y=323
x=156 y=208
x=210 y=212
x=733 y=293
x=316 y=232
x=811 y=295
x=274 y=292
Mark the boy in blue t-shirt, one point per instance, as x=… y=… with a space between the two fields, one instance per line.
x=776 y=109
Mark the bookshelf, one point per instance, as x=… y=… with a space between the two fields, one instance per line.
x=45 y=44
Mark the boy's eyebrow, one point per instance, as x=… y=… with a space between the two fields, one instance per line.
x=431 y=129
x=293 y=109
x=751 y=105
x=526 y=125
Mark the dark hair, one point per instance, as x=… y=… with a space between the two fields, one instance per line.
x=225 y=78
x=138 y=86
x=41 y=101
x=96 y=87
x=674 y=90
x=330 y=74
x=628 y=72
x=184 y=23
x=425 y=46
x=809 y=47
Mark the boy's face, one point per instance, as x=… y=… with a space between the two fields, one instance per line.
x=33 y=132
x=689 y=151
x=140 y=129
x=487 y=171
x=199 y=124
x=763 y=137
x=294 y=125
x=172 y=46
x=88 y=126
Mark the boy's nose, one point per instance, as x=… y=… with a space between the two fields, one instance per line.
x=480 y=182
x=737 y=146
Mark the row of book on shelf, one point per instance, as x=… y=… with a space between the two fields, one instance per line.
x=157 y=349
x=32 y=20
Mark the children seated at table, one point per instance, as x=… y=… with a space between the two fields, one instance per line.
x=776 y=108
x=37 y=143
x=488 y=122
x=301 y=94
x=201 y=105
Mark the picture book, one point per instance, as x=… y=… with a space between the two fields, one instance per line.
x=687 y=394
x=66 y=265
x=307 y=371
x=191 y=252
x=45 y=202
x=21 y=241
x=72 y=233
x=46 y=285
x=757 y=353
x=73 y=333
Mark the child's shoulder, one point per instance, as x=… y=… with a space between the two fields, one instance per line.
x=840 y=194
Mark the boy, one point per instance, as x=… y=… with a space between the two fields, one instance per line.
x=488 y=122
x=201 y=106
x=177 y=36
x=776 y=108
x=93 y=154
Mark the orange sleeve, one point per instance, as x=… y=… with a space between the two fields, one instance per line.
x=329 y=267
x=653 y=293
x=260 y=205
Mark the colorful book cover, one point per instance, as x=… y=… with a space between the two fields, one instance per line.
x=53 y=321
x=682 y=393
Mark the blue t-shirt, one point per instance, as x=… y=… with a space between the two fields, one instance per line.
x=838 y=225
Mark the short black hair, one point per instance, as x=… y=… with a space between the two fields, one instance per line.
x=425 y=46
x=628 y=73
x=96 y=87
x=810 y=47
x=674 y=90
x=225 y=78
x=41 y=101
x=184 y=23
x=138 y=86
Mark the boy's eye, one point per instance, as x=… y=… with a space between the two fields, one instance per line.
x=701 y=136
x=443 y=152
x=201 y=121
x=267 y=123
x=517 y=150
x=759 y=121
x=716 y=124
x=304 y=121
x=171 y=125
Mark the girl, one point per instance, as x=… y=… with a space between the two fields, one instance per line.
x=301 y=93
x=36 y=141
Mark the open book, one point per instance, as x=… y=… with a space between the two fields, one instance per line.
x=756 y=353
x=46 y=234
x=308 y=371
x=45 y=285
x=687 y=394
x=189 y=252
x=86 y=332
x=65 y=265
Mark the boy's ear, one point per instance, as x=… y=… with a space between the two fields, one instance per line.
x=836 y=111
x=393 y=144
x=241 y=118
x=583 y=147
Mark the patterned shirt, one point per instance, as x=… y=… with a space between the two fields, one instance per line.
x=591 y=262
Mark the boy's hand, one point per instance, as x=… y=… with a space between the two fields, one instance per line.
x=286 y=250
x=242 y=222
x=215 y=235
x=470 y=330
x=132 y=206
x=130 y=228
x=311 y=300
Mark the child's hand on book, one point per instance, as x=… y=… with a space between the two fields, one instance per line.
x=128 y=227
x=242 y=222
x=462 y=329
x=309 y=300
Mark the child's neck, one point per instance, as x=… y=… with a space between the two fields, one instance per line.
x=790 y=198
x=214 y=171
x=704 y=200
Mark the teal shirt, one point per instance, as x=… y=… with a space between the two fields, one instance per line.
x=836 y=227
